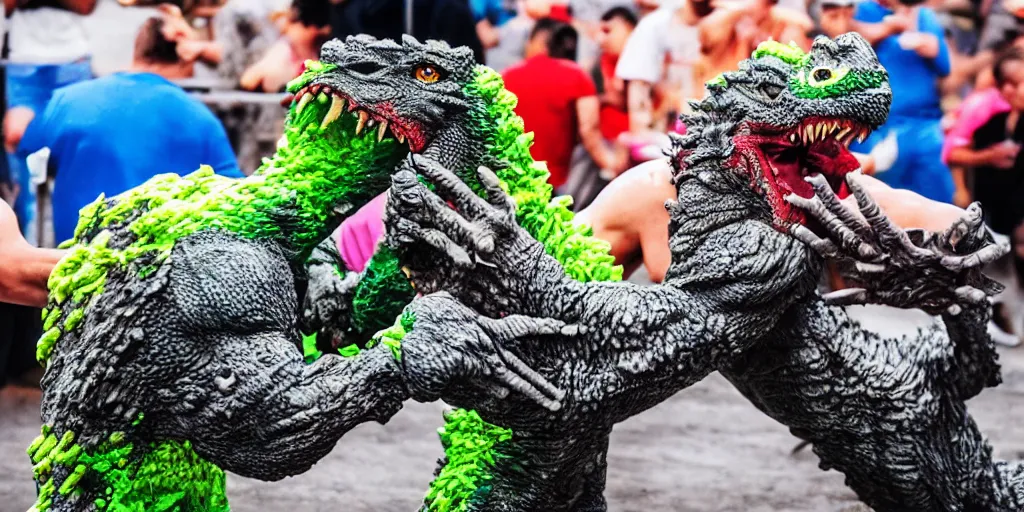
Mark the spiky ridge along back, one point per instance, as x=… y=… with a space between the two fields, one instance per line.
x=288 y=199
x=471 y=445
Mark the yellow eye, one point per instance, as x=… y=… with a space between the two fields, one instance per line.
x=427 y=74
x=824 y=77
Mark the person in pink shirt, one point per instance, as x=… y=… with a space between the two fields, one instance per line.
x=358 y=235
x=974 y=112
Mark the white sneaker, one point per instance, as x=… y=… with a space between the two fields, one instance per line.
x=1002 y=337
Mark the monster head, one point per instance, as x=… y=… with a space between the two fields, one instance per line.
x=388 y=99
x=787 y=115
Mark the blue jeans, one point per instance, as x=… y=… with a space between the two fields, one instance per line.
x=918 y=165
x=32 y=86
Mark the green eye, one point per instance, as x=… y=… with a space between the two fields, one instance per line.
x=824 y=77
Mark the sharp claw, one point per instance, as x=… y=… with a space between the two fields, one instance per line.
x=846 y=296
x=869 y=268
x=971 y=294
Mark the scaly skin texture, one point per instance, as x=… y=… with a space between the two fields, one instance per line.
x=172 y=340
x=477 y=127
x=739 y=297
x=733 y=275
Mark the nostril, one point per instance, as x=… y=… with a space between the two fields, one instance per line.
x=365 y=68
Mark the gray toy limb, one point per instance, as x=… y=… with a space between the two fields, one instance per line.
x=898 y=268
x=938 y=273
x=327 y=304
x=851 y=392
x=512 y=274
x=848 y=390
x=440 y=320
x=252 y=369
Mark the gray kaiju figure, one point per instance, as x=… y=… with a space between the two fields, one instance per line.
x=759 y=175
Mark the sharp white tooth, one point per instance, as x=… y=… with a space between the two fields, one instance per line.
x=382 y=130
x=303 y=101
x=371 y=123
x=809 y=133
x=337 y=104
x=363 y=116
x=842 y=133
x=835 y=126
x=863 y=135
x=400 y=137
x=792 y=138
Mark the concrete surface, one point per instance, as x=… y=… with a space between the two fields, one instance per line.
x=704 y=450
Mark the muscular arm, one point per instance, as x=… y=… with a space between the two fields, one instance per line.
x=24 y=269
x=264 y=413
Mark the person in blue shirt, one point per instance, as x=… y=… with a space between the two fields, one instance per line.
x=113 y=133
x=910 y=43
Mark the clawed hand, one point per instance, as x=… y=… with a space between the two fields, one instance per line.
x=442 y=243
x=937 y=273
x=450 y=342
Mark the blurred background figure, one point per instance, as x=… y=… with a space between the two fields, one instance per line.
x=47 y=49
x=911 y=45
x=558 y=102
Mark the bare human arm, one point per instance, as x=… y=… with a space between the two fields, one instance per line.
x=638 y=99
x=487 y=33
x=718 y=28
x=24 y=269
x=630 y=214
x=998 y=155
x=588 y=116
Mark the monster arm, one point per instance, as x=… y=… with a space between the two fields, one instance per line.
x=975 y=364
x=249 y=403
x=270 y=415
x=344 y=307
x=722 y=290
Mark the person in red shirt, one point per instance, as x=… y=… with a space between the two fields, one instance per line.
x=558 y=102
x=616 y=26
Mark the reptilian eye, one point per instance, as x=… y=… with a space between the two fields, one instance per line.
x=772 y=91
x=427 y=73
x=824 y=77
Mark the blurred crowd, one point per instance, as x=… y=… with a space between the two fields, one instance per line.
x=600 y=83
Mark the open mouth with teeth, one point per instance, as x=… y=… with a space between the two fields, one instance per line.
x=818 y=145
x=335 y=110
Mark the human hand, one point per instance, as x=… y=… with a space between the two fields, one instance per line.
x=899 y=21
x=175 y=28
x=190 y=50
x=1002 y=155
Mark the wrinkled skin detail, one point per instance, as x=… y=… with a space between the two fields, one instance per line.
x=173 y=329
x=739 y=297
